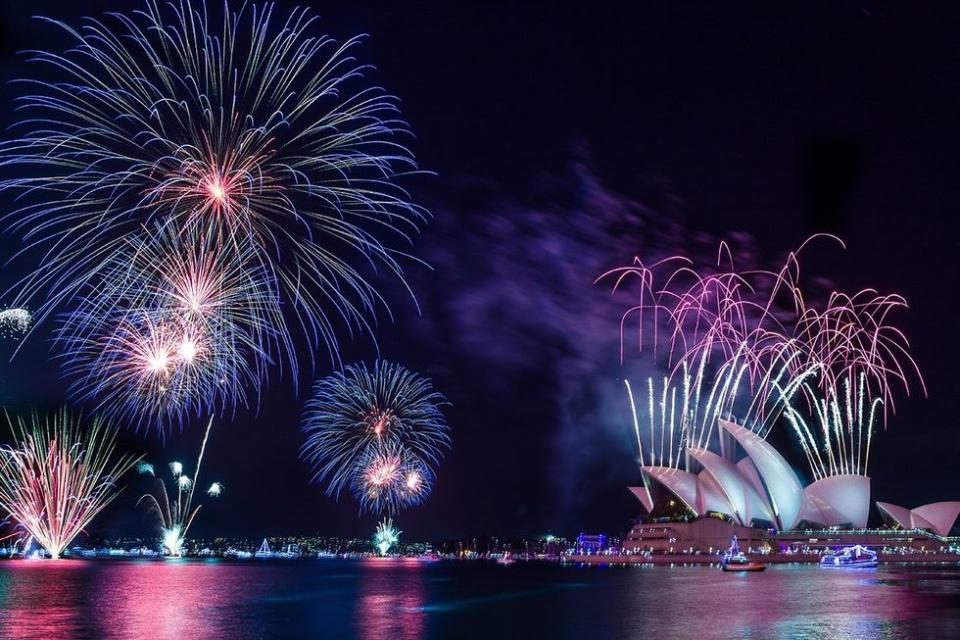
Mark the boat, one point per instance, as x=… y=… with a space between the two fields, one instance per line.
x=265 y=551
x=734 y=559
x=506 y=559
x=855 y=557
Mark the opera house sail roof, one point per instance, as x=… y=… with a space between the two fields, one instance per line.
x=762 y=487
x=937 y=517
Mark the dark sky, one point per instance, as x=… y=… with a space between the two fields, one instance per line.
x=548 y=122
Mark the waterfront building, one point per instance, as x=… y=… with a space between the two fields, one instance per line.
x=762 y=489
x=760 y=498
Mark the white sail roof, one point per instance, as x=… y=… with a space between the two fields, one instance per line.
x=781 y=487
x=938 y=517
x=838 y=500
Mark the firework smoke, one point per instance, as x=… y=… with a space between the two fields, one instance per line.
x=528 y=318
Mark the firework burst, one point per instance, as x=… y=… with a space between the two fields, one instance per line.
x=14 y=322
x=176 y=514
x=56 y=477
x=180 y=327
x=390 y=479
x=250 y=131
x=854 y=343
x=379 y=432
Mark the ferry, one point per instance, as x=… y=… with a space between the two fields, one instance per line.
x=857 y=557
x=734 y=559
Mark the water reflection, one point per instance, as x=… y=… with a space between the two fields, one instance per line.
x=167 y=600
x=391 y=599
x=39 y=599
x=105 y=599
x=783 y=602
x=407 y=600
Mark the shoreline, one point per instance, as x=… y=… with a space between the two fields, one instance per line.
x=659 y=560
x=703 y=559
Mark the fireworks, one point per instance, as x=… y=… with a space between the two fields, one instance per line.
x=840 y=442
x=14 y=322
x=177 y=330
x=378 y=432
x=390 y=478
x=56 y=477
x=730 y=314
x=683 y=412
x=253 y=135
x=838 y=363
x=854 y=342
x=386 y=536
x=177 y=515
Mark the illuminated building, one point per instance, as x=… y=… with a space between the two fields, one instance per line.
x=762 y=490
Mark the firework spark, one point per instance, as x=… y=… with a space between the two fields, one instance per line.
x=378 y=431
x=250 y=130
x=386 y=536
x=838 y=440
x=764 y=318
x=390 y=479
x=178 y=329
x=14 y=322
x=56 y=477
x=683 y=412
x=177 y=515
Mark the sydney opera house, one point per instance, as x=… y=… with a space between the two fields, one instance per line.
x=761 y=491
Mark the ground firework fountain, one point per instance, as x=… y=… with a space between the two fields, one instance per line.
x=386 y=537
x=177 y=514
x=57 y=476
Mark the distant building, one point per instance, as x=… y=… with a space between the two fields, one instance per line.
x=588 y=544
x=703 y=535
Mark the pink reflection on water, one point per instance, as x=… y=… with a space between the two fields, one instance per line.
x=782 y=602
x=170 y=599
x=37 y=599
x=103 y=599
x=390 y=604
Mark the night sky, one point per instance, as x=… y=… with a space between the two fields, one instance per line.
x=565 y=140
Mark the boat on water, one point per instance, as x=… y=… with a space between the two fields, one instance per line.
x=856 y=557
x=734 y=560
